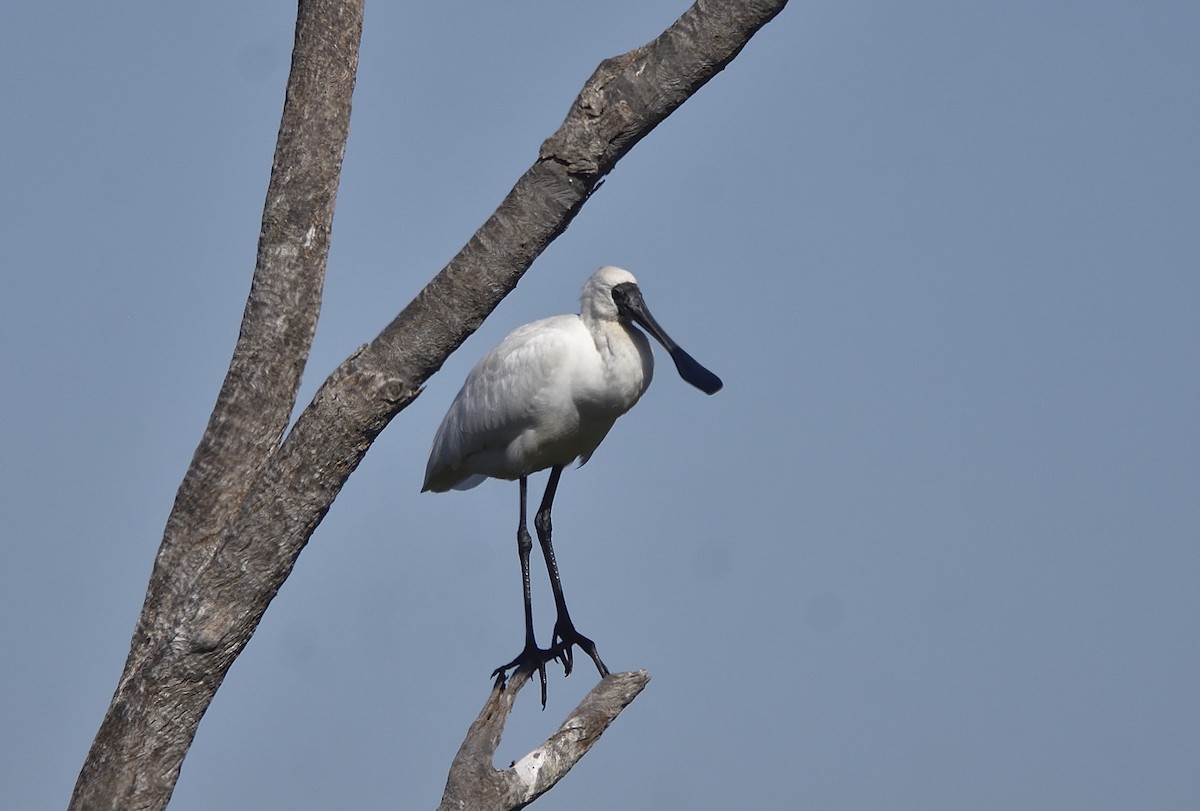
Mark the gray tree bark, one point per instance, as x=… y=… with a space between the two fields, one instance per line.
x=255 y=491
x=474 y=783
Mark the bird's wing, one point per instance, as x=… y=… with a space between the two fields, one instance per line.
x=499 y=399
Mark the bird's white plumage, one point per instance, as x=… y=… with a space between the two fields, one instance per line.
x=546 y=395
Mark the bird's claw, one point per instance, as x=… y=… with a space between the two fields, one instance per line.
x=565 y=639
x=532 y=659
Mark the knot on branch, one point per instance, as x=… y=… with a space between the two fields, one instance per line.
x=601 y=123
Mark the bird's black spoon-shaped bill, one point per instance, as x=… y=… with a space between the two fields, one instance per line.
x=693 y=372
x=630 y=304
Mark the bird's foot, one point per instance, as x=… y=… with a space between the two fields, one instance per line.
x=565 y=638
x=531 y=658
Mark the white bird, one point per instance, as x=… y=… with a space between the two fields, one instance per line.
x=543 y=397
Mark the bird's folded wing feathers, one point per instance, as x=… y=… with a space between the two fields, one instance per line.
x=500 y=396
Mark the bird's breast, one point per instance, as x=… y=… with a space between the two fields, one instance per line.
x=621 y=371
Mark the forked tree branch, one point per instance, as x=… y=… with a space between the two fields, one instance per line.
x=474 y=782
x=250 y=502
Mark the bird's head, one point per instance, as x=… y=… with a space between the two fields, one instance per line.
x=613 y=293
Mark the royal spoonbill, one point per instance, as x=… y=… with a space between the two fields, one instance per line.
x=543 y=397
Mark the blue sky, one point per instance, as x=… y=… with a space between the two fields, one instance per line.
x=933 y=546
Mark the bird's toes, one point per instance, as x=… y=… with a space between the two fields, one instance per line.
x=531 y=660
x=561 y=652
x=541 y=671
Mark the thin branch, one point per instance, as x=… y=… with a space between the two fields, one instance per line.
x=476 y=784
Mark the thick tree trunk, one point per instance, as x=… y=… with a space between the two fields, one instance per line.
x=251 y=499
x=200 y=606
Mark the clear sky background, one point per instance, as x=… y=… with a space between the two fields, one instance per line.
x=935 y=545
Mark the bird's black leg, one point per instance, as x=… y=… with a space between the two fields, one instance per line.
x=565 y=636
x=531 y=656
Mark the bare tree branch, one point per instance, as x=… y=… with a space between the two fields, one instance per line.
x=249 y=503
x=166 y=687
x=476 y=784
